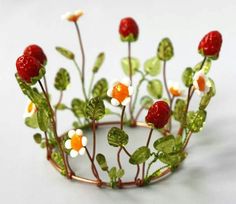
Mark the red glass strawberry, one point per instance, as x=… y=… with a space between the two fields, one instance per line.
x=128 y=30
x=36 y=52
x=28 y=68
x=158 y=114
x=210 y=45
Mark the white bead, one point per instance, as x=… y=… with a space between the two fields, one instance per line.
x=68 y=144
x=79 y=132
x=84 y=141
x=126 y=101
x=71 y=133
x=115 y=102
x=82 y=151
x=73 y=153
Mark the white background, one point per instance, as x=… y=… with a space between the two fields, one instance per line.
x=207 y=175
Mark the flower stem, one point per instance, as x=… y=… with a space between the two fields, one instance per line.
x=82 y=82
x=94 y=139
x=94 y=169
x=131 y=80
x=147 y=144
x=165 y=81
x=170 y=120
x=55 y=130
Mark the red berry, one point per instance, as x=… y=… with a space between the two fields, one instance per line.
x=128 y=29
x=158 y=114
x=36 y=52
x=210 y=44
x=27 y=67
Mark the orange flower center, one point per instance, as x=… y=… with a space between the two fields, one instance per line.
x=120 y=92
x=175 y=92
x=30 y=107
x=201 y=83
x=76 y=142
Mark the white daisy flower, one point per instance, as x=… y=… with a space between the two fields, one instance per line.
x=72 y=16
x=174 y=89
x=76 y=142
x=120 y=92
x=201 y=83
x=30 y=109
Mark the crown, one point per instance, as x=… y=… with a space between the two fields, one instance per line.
x=162 y=110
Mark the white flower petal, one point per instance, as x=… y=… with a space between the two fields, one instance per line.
x=68 y=144
x=66 y=16
x=195 y=84
x=84 y=141
x=114 y=82
x=79 y=13
x=109 y=92
x=71 y=133
x=125 y=81
x=126 y=101
x=79 y=132
x=199 y=93
x=73 y=153
x=82 y=151
x=131 y=90
x=115 y=102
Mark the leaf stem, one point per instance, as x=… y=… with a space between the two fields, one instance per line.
x=94 y=169
x=91 y=84
x=94 y=139
x=130 y=77
x=57 y=105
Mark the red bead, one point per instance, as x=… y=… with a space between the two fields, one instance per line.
x=27 y=67
x=36 y=52
x=210 y=44
x=159 y=114
x=128 y=29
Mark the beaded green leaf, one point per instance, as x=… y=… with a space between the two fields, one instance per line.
x=102 y=162
x=152 y=66
x=187 y=76
x=195 y=120
x=140 y=155
x=95 y=109
x=32 y=121
x=205 y=67
x=100 y=88
x=98 y=63
x=66 y=53
x=165 y=50
x=155 y=88
x=43 y=119
x=146 y=102
x=172 y=159
x=134 y=65
x=165 y=144
x=37 y=138
x=205 y=100
x=117 y=137
x=78 y=107
x=62 y=79
x=179 y=110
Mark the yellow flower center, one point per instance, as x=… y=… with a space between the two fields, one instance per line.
x=30 y=107
x=201 y=83
x=120 y=92
x=76 y=142
x=175 y=92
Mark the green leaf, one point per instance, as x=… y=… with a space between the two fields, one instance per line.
x=140 y=155
x=66 y=53
x=165 y=144
x=32 y=121
x=187 y=76
x=117 y=137
x=95 y=109
x=62 y=106
x=146 y=102
x=100 y=88
x=98 y=63
x=153 y=66
x=62 y=79
x=102 y=162
x=179 y=110
x=206 y=67
x=154 y=88
x=112 y=173
x=195 y=120
x=37 y=138
x=165 y=50
x=206 y=98
x=134 y=65
x=120 y=173
x=43 y=119
x=172 y=159
x=78 y=107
